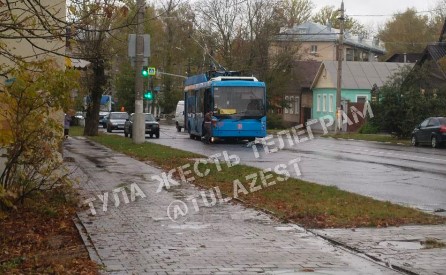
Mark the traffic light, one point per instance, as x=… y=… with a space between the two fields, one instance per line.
x=145 y=71
x=148 y=95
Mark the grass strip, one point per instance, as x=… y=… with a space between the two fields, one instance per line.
x=76 y=131
x=308 y=204
x=369 y=137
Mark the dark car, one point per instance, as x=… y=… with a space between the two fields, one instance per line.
x=116 y=121
x=103 y=119
x=152 y=126
x=431 y=131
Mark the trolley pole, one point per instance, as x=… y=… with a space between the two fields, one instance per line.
x=338 y=124
x=138 y=131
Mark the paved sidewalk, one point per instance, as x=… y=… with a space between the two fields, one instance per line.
x=138 y=237
x=401 y=247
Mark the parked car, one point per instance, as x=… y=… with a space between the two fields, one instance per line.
x=116 y=121
x=431 y=131
x=103 y=119
x=179 y=115
x=152 y=126
x=78 y=119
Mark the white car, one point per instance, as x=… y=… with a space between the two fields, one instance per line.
x=179 y=115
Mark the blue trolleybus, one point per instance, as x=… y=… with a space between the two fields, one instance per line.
x=238 y=104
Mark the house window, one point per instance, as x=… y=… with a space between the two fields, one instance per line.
x=324 y=103
x=349 y=54
x=291 y=105
x=361 y=99
x=287 y=100
x=318 y=103
x=365 y=56
x=330 y=103
x=313 y=48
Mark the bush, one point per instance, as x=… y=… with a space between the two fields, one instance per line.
x=33 y=133
x=403 y=105
x=369 y=128
x=274 y=121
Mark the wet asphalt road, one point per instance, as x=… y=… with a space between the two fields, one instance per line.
x=414 y=176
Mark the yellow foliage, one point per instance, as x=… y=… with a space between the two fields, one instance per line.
x=29 y=131
x=442 y=63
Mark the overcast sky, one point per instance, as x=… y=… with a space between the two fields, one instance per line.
x=376 y=7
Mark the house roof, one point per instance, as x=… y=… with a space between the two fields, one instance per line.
x=408 y=57
x=306 y=71
x=360 y=75
x=437 y=50
x=314 y=32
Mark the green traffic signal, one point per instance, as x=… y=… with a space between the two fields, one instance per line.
x=145 y=71
x=148 y=95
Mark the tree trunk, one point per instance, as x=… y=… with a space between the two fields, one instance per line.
x=92 y=119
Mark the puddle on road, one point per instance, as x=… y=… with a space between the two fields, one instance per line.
x=403 y=244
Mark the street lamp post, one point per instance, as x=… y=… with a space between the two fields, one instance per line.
x=138 y=118
x=339 y=73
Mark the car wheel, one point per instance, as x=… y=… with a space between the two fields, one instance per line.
x=104 y=125
x=151 y=135
x=414 y=141
x=434 y=142
x=157 y=135
x=109 y=130
x=125 y=134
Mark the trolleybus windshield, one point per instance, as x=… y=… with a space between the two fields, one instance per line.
x=239 y=101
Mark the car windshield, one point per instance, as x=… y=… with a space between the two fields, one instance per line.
x=149 y=117
x=119 y=116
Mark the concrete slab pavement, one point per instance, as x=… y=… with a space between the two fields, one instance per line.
x=408 y=248
x=136 y=236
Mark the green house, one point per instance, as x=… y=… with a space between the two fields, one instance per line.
x=358 y=79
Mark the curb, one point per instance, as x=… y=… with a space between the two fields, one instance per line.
x=364 y=254
x=92 y=252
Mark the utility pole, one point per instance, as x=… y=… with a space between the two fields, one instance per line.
x=338 y=124
x=138 y=129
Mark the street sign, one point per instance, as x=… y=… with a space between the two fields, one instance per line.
x=152 y=71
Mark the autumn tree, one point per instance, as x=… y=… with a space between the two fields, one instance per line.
x=34 y=133
x=93 y=34
x=223 y=19
x=173 y=51
x=407 y=32
x=438 y=17
x=329 y=15
x=295 y=12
